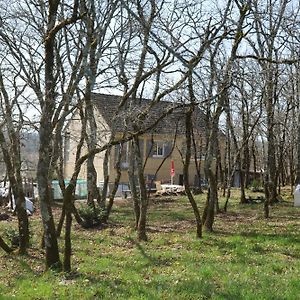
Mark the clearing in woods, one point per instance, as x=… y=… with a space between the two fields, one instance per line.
x=247 y=257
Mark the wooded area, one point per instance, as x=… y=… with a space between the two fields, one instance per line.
x=237 y=61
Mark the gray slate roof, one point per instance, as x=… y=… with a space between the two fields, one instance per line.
x=107 y=106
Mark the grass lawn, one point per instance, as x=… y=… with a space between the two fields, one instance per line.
x=247 y=257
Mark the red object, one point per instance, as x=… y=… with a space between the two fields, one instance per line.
x=172 y=168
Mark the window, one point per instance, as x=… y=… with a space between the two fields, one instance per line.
x=158 y=149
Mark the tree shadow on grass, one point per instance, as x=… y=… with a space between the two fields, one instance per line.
x=151 y=259
x=26 y=263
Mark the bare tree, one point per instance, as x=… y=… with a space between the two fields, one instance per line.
x=222 y=103
x=37 y=53
x=268 y=29
x=10 y=143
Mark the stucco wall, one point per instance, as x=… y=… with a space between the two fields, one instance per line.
x=73 y=134
x=152 y=163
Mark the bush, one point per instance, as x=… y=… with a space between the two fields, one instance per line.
x=91 y=216
x=256 y=186
x=13 y=236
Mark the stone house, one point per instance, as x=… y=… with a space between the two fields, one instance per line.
x=157 y=144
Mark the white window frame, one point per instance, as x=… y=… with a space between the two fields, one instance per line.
x=157 y=147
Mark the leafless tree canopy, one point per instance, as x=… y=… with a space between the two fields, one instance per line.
x=236 y=60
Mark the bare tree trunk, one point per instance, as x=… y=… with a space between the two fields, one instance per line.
x=91 y=138
x=15 y=179
x=271 y=184
x=227 y=159
x=197 y=163
x=50 y=240
x=68 y=245
x=4 y=246
x=69 y=198
x=209 y=209
x=228 y=194
x=223 y=102
x=266 y=47
x=298 y=150
x=101 y=202
x=132 y=184
x=238 y=166
x=188 y=136
x=243 y=199
x=219 y=172
x=13 y=164
x=266 y=204
x=115 y=187
x=245 y=163
x=254 y=156
x=271 y=87
x=45 y=150
x=76 y=214
x=61 y=221
x=58 y=165
x=23 y=223
x=143 y=195
x=91 y=181
x=292 y=170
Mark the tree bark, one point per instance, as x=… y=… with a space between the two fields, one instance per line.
x=101 y=202
x=188 y=136
x=297 y=181
x=132 y=184
x=4 y=246
x=68 y=244
x=15 y=179
x=91 y=138
x=197 y=162
x=209 y=210
x=143 y=195
x=46 y=138
x=13 y=162
x=115 y=187
x=61 y=221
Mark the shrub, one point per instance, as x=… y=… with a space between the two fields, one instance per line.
x=91 y=216
x=256 y=186
x=13 y=236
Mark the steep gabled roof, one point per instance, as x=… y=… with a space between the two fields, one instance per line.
x=107 y=106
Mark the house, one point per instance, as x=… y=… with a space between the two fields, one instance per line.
x=157 y=144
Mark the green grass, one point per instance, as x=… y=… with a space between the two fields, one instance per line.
x=247 y=257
